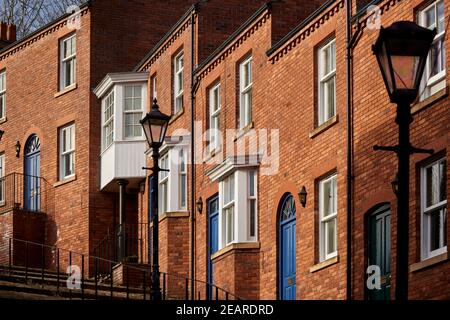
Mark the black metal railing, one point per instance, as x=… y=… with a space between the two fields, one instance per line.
x=76 y=276
x=24 y=192
x=126 y=242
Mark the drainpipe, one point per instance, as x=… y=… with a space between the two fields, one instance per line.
x=192 y=215
x=349 y=149
x=352 y=41
x=122 y=185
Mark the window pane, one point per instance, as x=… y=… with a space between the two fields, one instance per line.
x=443 y=181
x=441 y=16
x=252 y=218
x=430 y=18
x=326 y=199
x=330 y=98
x=435 y=225
x=252 y=183
x=330 y=228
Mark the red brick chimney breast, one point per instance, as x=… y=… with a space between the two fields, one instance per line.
x=11 y=33
x=3 y=31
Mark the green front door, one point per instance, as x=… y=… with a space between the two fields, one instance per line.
x=379 y=246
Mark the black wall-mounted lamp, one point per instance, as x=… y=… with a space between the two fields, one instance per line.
x=1 y=134
x=302 y=195
x=17 y=149
x=199 y=205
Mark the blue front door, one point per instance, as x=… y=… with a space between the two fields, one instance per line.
x=213 y=238
x=287 y=253
x=32 y=183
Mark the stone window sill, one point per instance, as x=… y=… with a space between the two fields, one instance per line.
x=177 y=214
x=3 y=120
x=176 y=116
x=422 y=105
x=66 y=90
x=324 y=264
x=324 y=127
x=235 y=246
x=65 y=181
x=429 y=262
x=211 y=154
x=242 y=132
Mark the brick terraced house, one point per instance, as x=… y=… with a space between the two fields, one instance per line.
x=273 y=191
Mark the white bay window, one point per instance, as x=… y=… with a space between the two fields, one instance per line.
x=133 y=111
x=238 y=208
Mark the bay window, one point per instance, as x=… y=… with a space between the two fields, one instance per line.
x=133 y=111
x=108 y=120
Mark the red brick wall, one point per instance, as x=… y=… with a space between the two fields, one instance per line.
x=237 y=272
x=374 y=123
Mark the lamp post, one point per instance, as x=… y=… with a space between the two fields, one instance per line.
x=155 y=126
x=402 y=51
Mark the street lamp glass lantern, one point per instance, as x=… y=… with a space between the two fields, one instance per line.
x=155 y=126
x=402 y=51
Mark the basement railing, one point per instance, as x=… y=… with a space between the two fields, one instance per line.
x=24 y=192
x=77 y=276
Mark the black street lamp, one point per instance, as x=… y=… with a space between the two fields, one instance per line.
x=402 y=51
x=155 y=126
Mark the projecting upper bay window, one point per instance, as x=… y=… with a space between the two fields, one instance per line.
x=238 y=208
x=433 y=16
x=238 y=199
x=68 y=62
x=327 y=82
x=124 y=103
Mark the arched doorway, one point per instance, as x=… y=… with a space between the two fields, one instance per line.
x=287 y=249
x=32 y=169
x=378 y=239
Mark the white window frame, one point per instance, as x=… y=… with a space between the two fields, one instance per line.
x=133 y=112
x=164 y=187
x=2 y=179
x=324 y=109
x=229 y=210
x=431 y=85
x=252 y=202
x=245 y=93
x=178 y=78
x=324 y=220
x=425 y=217
x=154 y=82
x=182 y=174
x=2 y=94
x=214 y=117
x=71 y=59
x=63 y=154
x=108 y=123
